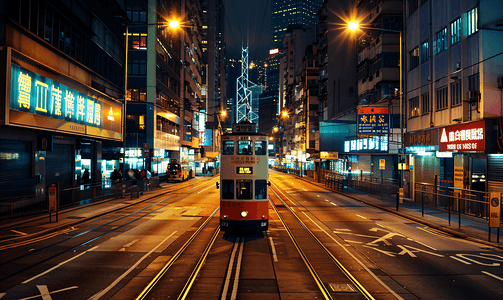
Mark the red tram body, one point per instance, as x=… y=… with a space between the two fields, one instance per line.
x=244 y=178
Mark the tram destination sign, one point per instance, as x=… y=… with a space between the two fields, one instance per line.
x=244 y=128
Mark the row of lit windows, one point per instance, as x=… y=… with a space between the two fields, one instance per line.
x=440 y=44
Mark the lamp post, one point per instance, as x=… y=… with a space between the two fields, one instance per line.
x=353 y=26
x=172 y=24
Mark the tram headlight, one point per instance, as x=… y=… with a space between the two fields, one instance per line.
x=244 y=213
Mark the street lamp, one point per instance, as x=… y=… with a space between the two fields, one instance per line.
x=353 y=26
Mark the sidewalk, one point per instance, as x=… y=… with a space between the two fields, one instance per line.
x=23 y=228
x=472 y=228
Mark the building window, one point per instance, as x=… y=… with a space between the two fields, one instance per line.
x=425 y=51
x=456 y=31
x=425 y=102
x=442 y=40
x=456 y=93
x=441 y=98
x=390 y=60
x=414 y=107
x=474 y=83
x=414 y=58
x=472 y=22
x=413 y=5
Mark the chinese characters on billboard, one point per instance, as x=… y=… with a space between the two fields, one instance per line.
x=373 y=120
x=462 y=138
x=36 y=94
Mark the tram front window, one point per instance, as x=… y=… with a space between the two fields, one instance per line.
x=260 y=147
x=228 y=148
x=245 y=148
x=244 y=189
x=227 y=189
x=260 y=189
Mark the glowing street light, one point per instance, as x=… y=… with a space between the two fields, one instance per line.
x=174 y=24
x=353 y=25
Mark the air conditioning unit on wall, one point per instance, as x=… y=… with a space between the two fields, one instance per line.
x=500 y=82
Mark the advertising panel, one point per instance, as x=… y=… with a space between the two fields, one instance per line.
x=68 y=109
x=463 y=137
x=376 y=144
x=373 y=120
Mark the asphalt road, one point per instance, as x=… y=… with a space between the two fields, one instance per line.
x=115 y=255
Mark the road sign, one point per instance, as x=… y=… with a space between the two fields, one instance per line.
x=382 y=164
x=495 y=208
x=146 y=148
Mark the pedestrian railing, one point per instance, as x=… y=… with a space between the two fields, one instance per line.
x=79 y=195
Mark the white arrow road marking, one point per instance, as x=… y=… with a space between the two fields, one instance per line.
x=384 y=239
x=411 y=253
x=60 y=264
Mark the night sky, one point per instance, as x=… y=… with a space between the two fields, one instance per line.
x=245 y=18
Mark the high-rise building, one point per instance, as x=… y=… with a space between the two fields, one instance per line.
x=287 y=12
x=63 y=85
x=164 y=83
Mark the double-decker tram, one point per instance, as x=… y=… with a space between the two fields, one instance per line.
x=244 y=179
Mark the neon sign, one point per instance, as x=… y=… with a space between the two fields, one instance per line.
x=42 y=96
x=463 y=138
x=367 y=145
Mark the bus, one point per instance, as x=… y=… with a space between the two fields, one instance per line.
x=177 y=171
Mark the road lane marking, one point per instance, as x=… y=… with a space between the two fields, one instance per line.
x=492 y=275
x=361 y=216
x=333 y=204
x=128 y=245
x=53 y=292
x=460 y=260
x=318 y=195
x=37 y=239
x=18 y=232
x=103 y=292
x=44 y=292
x=273 y=249
x=60 y=264
x=357 y=260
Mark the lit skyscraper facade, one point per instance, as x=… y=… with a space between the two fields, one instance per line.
x=286 y=12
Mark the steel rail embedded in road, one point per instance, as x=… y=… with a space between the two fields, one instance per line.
x=97 y=228
x=175 y=257
x=316 y=277
x=323 y=289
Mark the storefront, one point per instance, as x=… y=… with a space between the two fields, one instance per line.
x=54 y=129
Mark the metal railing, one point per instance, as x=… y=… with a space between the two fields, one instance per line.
x=460 y=201
x=80 y=195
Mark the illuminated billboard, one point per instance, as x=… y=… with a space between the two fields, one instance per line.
x=67 y=109
x=463 y=137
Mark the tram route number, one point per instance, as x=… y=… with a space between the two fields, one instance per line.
x=244 y=127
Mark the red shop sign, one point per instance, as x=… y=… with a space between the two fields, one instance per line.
x=463 y=137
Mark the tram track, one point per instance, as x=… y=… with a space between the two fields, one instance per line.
x=93 y=234
x=287 y=216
